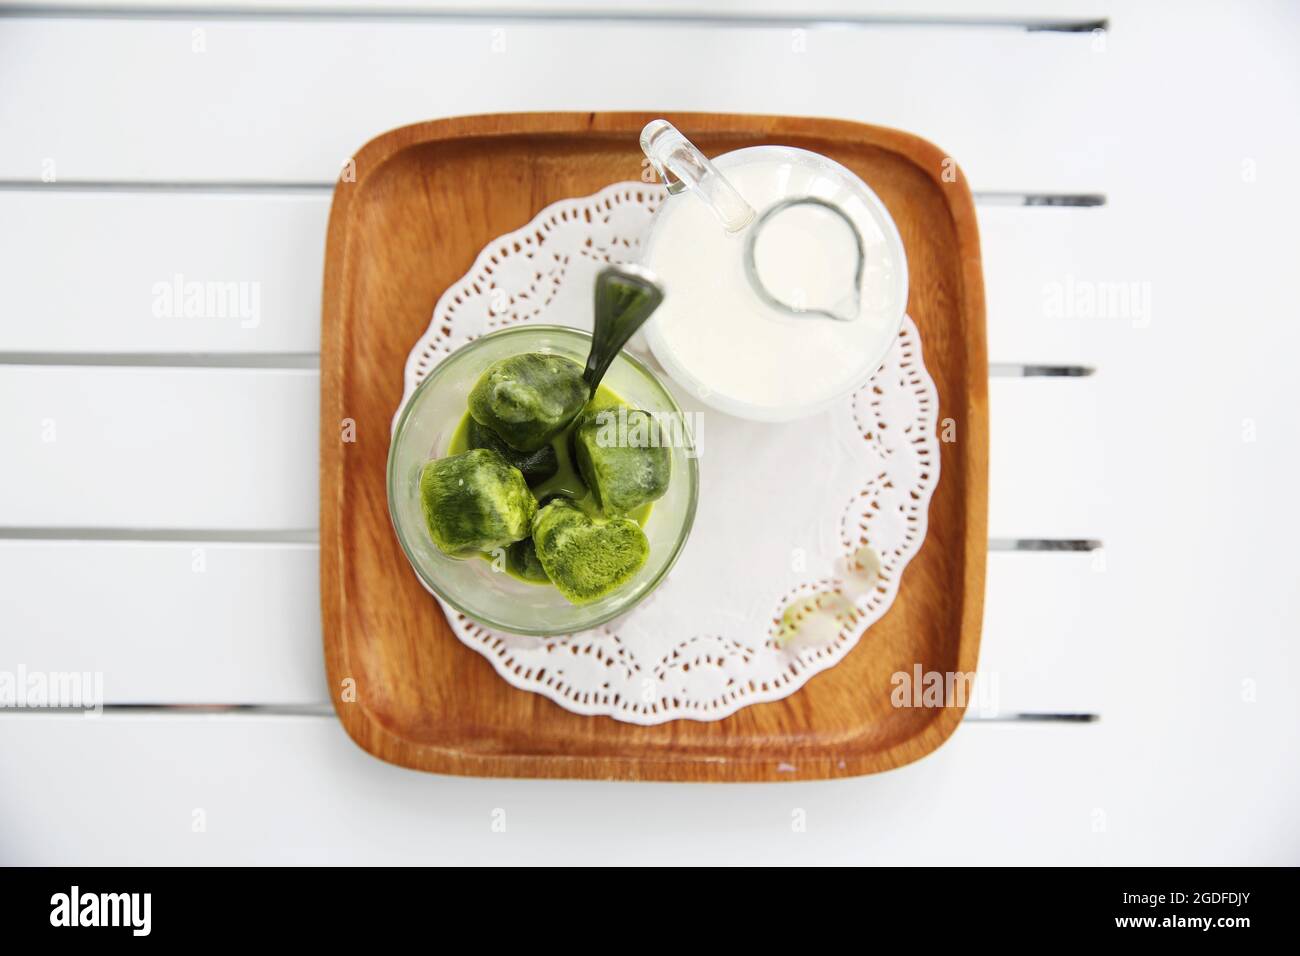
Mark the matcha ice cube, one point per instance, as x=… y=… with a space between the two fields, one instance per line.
x=620 y=455
x=475 y=501
x=522 y=561
x=585 y=558
x=528 y=399
x=536 y=466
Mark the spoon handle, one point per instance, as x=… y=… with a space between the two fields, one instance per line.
x=681 y=166
x=626 y=296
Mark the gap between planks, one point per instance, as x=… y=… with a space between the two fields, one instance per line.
x=311 y=362
x=324 y=189
x=312 y=536
x=326 y=709
x=498 y=14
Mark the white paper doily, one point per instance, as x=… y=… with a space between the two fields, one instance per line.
x=782 y=506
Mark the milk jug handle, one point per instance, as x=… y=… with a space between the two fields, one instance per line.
x=681 y=166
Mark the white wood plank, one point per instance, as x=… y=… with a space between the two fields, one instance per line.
x=127 y=249
x=270 y=100
x=167 y=622
x=239 y=623
x=1048 y=634
x=260 y=256
x=215 y=449
x=1062 y=285
x=146 y=448
x=1047 y=458
x=283 y=790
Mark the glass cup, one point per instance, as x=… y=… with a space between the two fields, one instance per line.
x=475 y=586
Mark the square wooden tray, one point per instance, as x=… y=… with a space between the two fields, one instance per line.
x=424 y=202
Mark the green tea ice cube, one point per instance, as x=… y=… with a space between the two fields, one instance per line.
x=475 y=501
x=528 y=399
x=621 y=456
x=522 y=561
x=537 y=466
x=585 y=558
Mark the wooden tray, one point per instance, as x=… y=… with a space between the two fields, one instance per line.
x=425 y=200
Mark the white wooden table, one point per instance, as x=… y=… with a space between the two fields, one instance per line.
x=158 y=474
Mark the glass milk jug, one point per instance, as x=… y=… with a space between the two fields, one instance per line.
x=784 y=276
